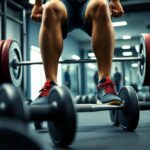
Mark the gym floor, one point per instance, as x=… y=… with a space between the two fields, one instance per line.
x=95 y=132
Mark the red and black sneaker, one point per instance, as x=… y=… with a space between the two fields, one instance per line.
x=43 y=96
x=106 y=92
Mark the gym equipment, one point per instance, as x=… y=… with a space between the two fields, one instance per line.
x=78 y=99
x=144 y=65
x=59 y=112
x=92 y=99
x=28 y=101
x=114 y=117
x=85 y=99
x=11 y=103
x=1 y=46
x=11 y=74
x=11 y=61
x=128 y=112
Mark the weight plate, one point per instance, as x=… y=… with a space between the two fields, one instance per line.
x=129 y=115
x=114 y=117
x=78 y=99
x=84 y=99
x=92 y=99
x=144 y=66
x=11 y=74
x=1 y=47
x=14 y=136
x=11 y=103
x=63 y=129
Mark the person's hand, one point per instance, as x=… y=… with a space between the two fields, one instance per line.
x=116 y=8
x=36 y=13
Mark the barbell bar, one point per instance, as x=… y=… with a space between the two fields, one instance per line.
x=71 y=61
x=97 y=107
x=11 y=61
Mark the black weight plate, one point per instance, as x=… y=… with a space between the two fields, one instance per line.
x=129 y=115
x=92 y=99
x=78 y=99
x=63 y=129
x=84 y=99
x=144 y=66
x=11 y=103
x=10 y=52
x=114 y=117
x=140 y=97
x=15 y=136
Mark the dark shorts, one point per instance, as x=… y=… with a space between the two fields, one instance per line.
x=76 y=17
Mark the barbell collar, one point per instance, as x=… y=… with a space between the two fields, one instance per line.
x=97 y=107
x=70 y=61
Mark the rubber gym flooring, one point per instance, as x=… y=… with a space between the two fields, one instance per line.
x=95 y=132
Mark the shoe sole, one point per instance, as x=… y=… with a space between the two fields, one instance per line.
x=113 y=102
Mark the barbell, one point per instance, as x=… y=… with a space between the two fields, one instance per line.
x=59 y=112
x=11 y=61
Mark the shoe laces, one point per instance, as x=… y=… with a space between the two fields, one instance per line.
x=108 y=87
x=45 y=89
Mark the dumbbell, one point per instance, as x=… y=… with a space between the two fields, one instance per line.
x=14 y=133
x=59 y=112
x=127 y=113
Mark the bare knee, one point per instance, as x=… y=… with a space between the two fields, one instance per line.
x=99 y=10
x=54 y=11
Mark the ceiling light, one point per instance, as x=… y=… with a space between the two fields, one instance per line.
x=93 y=57
x=91 y=54
x=126 y=78
x=118 y=24
x=134 y=65
x=32 y=1
x=76 y=57
x=126 y=47
x=126 y=37
x=92 y=66
x=127 y=53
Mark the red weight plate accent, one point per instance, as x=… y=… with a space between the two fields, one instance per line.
x=6 y=77
x=1 y=47
x=147 y=48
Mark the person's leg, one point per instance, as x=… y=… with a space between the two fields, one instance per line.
x=103 y=37
x=97 y=16
x=51 y=38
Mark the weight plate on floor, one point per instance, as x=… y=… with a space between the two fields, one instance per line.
x=15 y=136
x=129 y=115
x=144 y=66
x=1 y=47
x=63 y=129
x=10 y=52
x=114 y=117
x=11 y=103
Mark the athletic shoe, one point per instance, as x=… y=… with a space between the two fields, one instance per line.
x=106 y=93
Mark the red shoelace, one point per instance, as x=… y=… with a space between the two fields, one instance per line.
x=108 y=86
x=45 y=90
